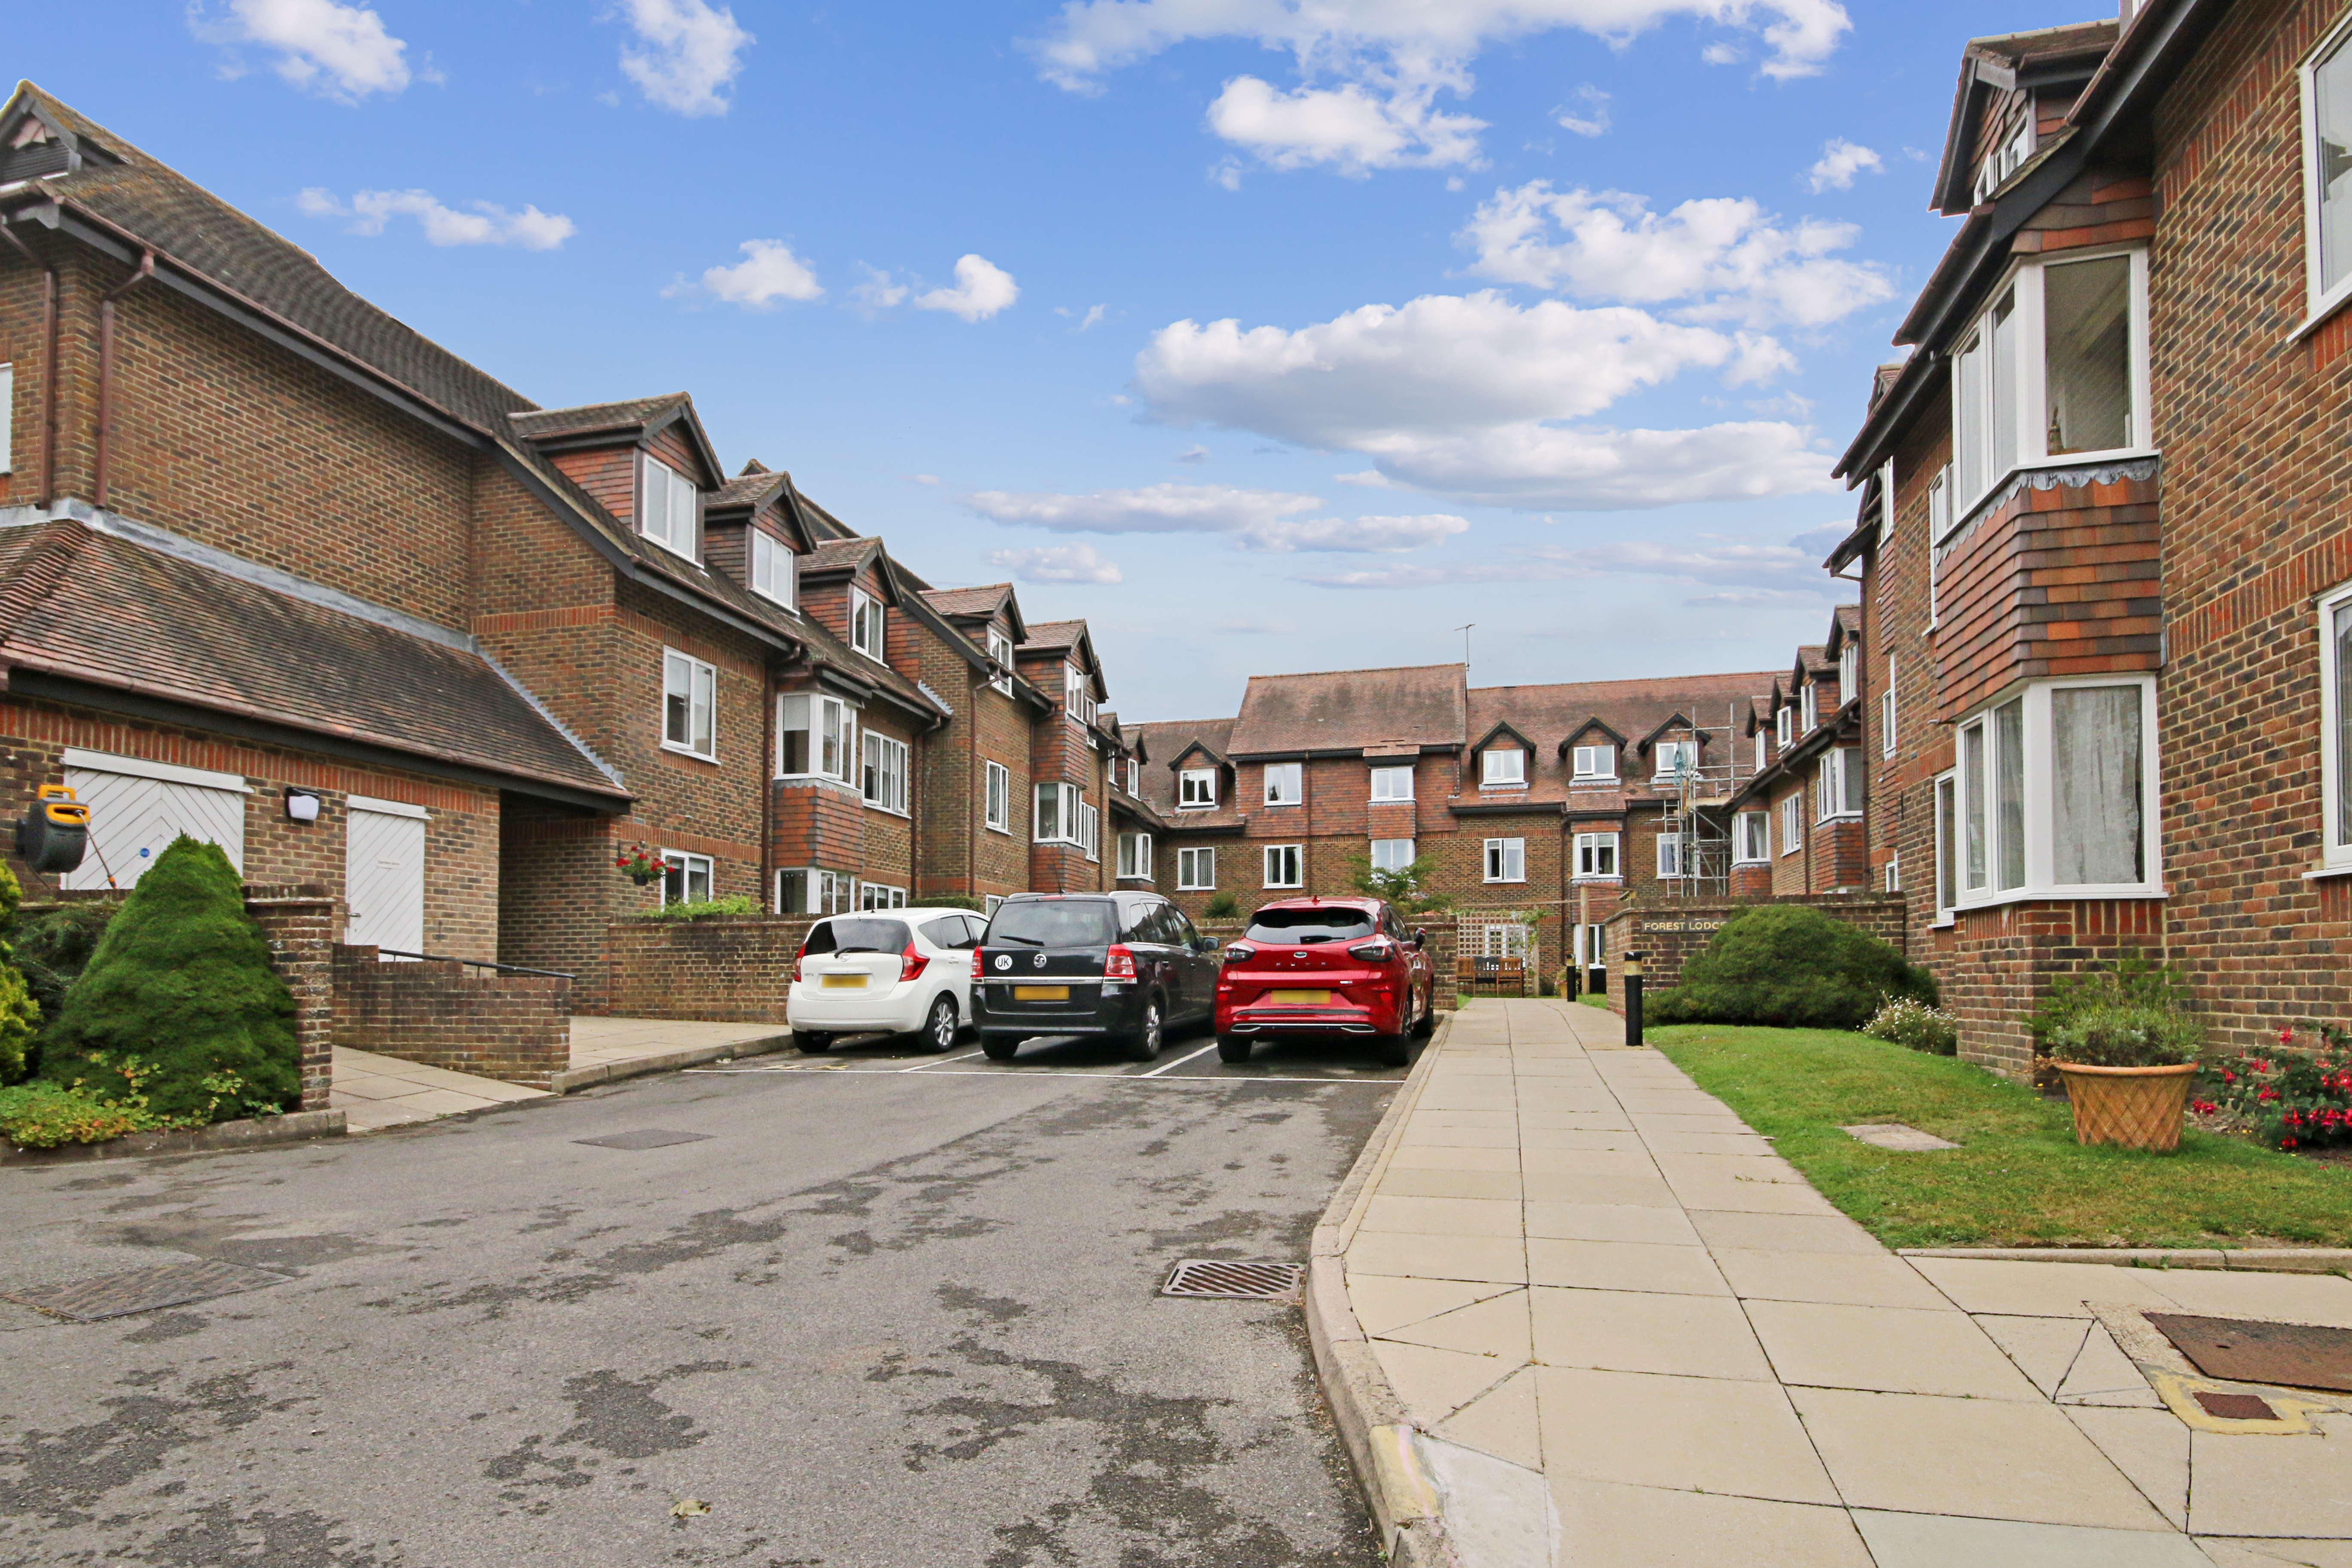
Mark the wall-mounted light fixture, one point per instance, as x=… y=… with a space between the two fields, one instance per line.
x=301 y=806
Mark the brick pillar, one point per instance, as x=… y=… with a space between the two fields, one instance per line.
x=299 y=922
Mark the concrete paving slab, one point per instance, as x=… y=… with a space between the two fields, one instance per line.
x=1744 y=1197
x=1783 y=1232
x=1625 y=1266
x=1927 y=1541
x=2041 y=1290
x=1412 y=1183
x=2042 y=1348
x=1630 y=1191
x=1638 y=1429
x=1434 y=1384
x=1893 y=1350
x=2258 y=1552
x=1856 y=1279
x=2290 y=1486
x=1661 y=1528
x=1500 y=1260
x=1495 y=1327
x=1382 y=1303
x=1441 y=1157
x=2103 y=1374
x=1443 y=1215
x=2291 y=1298
x=2151 y=1448
x=1639 y=1331
x=1502 y=1421
x=1622 y=1162
x=1608 y=1222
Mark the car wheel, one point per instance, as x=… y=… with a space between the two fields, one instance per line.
x=1392 y=1050
x=1234 y=1046
x=940 y=1027
x=812 y=1044
x=1144 y=1044
x=998 y=1048
x=1426 y=1025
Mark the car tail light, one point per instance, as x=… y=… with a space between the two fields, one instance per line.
x=912 y=963
x=1372 y=952
x=1119 y=964
x=1237 y=954
x=978 y=958
x=799 y=961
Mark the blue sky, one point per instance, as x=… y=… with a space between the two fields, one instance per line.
x=1266 y=335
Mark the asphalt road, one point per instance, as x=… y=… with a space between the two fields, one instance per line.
x=873 y=1318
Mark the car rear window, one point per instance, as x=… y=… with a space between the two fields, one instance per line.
x=1309 y=924
x=1088 y=923
x=858 y=935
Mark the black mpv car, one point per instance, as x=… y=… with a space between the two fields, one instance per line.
x=1125 y=965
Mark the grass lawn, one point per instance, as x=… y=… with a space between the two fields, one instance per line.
x=2018 y=1178
x=1593 y=999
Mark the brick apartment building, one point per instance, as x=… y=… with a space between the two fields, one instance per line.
x=281 y=573
x=2106 y=605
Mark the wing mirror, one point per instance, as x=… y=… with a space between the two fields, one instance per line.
x=1204 y=943
x=1420 y=938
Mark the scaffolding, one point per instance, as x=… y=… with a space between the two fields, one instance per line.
x=1699 y=809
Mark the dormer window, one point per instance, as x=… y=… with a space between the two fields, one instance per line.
x=1760 y=751
x=1849 y=671
x=1784 y=724
x=1676 y=758
x=1079 y=695
x=1812 y=704
x=1504 y=767
x=1196 y=789
x=669 y=508
x=866 y=632
x=1000 y=648
x=774 y=569
x=2008 y=158
x=1594 y=763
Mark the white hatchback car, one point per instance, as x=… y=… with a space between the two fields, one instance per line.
x=894 y=971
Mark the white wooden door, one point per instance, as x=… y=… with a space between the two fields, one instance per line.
x=133 y=820
x=383 y=880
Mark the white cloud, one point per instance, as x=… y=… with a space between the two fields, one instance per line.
x=1750 y=574
x=1722 y=258
x=1840 y=161
x=768 y=272
x=485 y=224
x=341 y=52
x=1532 y=465
x=1057 y=563
x=693 y=52
x=1349 y=127
x=928 y=479
x=1589 y=116
x=1252 y=519
x=1355 y=536
x=981 y=289
x=876 y=291
x=1370 y=69
x=1090 y=318
x=1195 y=454
x=1366 y=478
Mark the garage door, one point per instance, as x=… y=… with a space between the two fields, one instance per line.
x=384 y=874
x=137 y=808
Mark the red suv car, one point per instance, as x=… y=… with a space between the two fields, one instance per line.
x=1325 y=966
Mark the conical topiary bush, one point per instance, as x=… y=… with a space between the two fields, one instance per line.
x=181 y=983
x=19 y=1016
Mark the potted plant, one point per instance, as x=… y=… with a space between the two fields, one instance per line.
x=2127 y=1067
x=640 y=865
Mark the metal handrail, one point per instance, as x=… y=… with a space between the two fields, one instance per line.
x=479 y=964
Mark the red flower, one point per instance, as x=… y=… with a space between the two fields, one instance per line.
x=2268 y=1093
x=2228 y=1076
x=2286 y=1142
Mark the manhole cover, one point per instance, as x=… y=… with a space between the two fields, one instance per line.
x=2235 y=1406
x=2300 y=1356
x=1243 y=1282
x=142 y=1289
x=649 y=1138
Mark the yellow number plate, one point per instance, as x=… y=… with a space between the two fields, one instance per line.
x=1297 y=999
x=1041 y=993
x=844 y=982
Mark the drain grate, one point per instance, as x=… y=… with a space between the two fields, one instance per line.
x=2245 y=1350
x=1234 y=1282
x=648 y=1138
x=142 y=1289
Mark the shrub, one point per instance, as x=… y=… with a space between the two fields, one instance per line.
x=20 y=1017
x=2128 y=983
x=1407 y=887
x=1222 y=906
x=1793 y=966
x=54 y=946
x=1905 y=1020
x=44 y=1115
x=179 y=1002
x=953 y=900
x=736 y=907
x=2126 y=1034
x=2288 y=1100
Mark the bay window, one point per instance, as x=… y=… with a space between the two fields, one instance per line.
x=1135 y=854
x=1503 y=768
x=1196 y=869
x=669 y=508
x=1286 y=783
x=2056 y=792
x=884 y=776
x=2055 y=367
x=1948 y=838
x=1837 y=791
x=1282 y=866
x=1090 y=837
x=1751 y=838
x=1060 y=814
x=1077 y=695
x=2326 y=81
x=1393 y=783
x=773 y=568
x=814 y=736
x=1596 y=856
x=1670 y=856
x=2335 y=725
x=1594 y=762
x=1196 y=789
x=689 y=706
x=1506 y=860
x=1392 y=855
x=1000 y=648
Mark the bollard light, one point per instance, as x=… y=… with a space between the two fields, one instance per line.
x=1633 y=998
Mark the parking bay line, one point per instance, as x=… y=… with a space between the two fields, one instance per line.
x=1179 y=1062
x=924 y=1066
x=1056 y=1072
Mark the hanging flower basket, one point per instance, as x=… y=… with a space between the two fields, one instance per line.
x=640 y=865
x=2131 y=1107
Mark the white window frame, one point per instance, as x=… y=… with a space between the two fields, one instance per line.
x=869 y=626
x=2321 y=299
x=697 y=680
x=1277 y=774
x=874 y=895
x=1067 y=799
x=2333 y=851
x=821 y=891
x=659 y=487
x=1505 y=860
x=989 y=904
x=1597 y=858
x=1669 y=760
x=1849 y=671
x=688 y=866
x=1838 y=785
x=2028 y=400
x=1192 y=863
x=1196 y=789
x=1134 y=776
x=1592 y=764
x=1670 y=857
x=1895 y=874
x=1077 y=695
x=1940 y=524
x=1135 y=854
x=1385 y=779
x=1809 y=708
x=1503 y=768
x=1751 y=838
x=2038 y=803
x=775 y=569
x=1089 y=829
x=996 y=804
x=7 y=418
x=1784 y=726
x=1000 y=648
x=845 y=719
x=1286 y=860
x=1886 y=712
x=1946 y=801
x=1387 y=856
x=1792 y=823
x=1763 y=756
x=884 y=765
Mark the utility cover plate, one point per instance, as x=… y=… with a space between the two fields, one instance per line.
x=1894 y=1135
x=1216 y=1277
x=645 y=1138
x=2299 y=1356
x=142 y=1289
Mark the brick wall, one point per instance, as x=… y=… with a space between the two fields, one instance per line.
x=736 y=970
x=514 y=1027
x=300 y=922
x=1993 y=966
x=1666 y=932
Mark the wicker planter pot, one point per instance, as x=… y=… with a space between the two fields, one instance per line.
x=2132 y=1107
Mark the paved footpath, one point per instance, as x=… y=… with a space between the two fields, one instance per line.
x=1571 y=1261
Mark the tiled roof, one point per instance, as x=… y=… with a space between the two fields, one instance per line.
x=1347 y=710
x=748 y=489
x=840 y=555
x=981 y=600
x=634 y=413
x=92 y=607
x=1163 y=743
x=1051 y=636
x=1550 y=715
